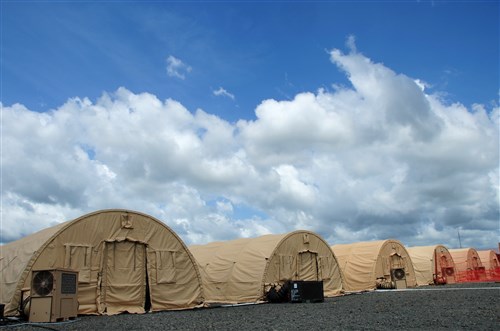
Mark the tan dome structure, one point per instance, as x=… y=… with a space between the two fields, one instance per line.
x=244 y=270
x=432 y=264
x=468 y=265
x=375 y=264
x=126 y=262
x=489 y=259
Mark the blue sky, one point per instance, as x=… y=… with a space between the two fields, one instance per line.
x=359 y=120
x=255 y=50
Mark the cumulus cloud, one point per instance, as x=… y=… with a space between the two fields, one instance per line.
x=177 y=68
x=379 y=159
x=222 y=92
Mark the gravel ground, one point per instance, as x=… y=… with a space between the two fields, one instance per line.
x=457 y=307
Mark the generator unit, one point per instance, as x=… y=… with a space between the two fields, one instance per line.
x=398 y=276
x=306 y=291
x=54 y=295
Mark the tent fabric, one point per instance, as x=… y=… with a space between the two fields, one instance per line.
x=243 y=270
x=125 y=259
x=489 y=259
x=466 y=259
x=365 y=264
x=431 y=264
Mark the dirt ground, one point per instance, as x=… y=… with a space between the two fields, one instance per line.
x=473 y=306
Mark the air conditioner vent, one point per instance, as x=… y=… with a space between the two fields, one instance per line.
x=43 y=283
x=398 y=274
x=68 y=283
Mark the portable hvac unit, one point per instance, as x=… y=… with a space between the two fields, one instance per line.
x=449 y=273
x=54 y=295
x=306 y=291
x=398 y=276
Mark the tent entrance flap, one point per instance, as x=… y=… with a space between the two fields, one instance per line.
x=123 y=287
x=397 y=261
x=444 y=270
x=308 y=266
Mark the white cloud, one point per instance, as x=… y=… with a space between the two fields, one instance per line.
x=351 y=43
x=222 y=92
x=177 y=68
x=376 y=160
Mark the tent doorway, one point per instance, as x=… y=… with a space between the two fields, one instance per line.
x=124 y=286
x=397 y=261
x=308 y=266
x=445 y=271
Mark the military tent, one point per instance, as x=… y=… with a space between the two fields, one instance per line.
x=375 y=264
x=432 y=265
x=489 y=259
x=127 y=262
x=468 y=265
x=244 y=270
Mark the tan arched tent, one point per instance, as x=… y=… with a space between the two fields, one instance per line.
x=432 y=265
x=375 y=264
x=468 y=265
x=490 y=262
x=243 y=270
x=126 y=261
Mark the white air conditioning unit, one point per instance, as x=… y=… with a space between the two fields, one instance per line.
x=54 y=295
x=398 y=276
